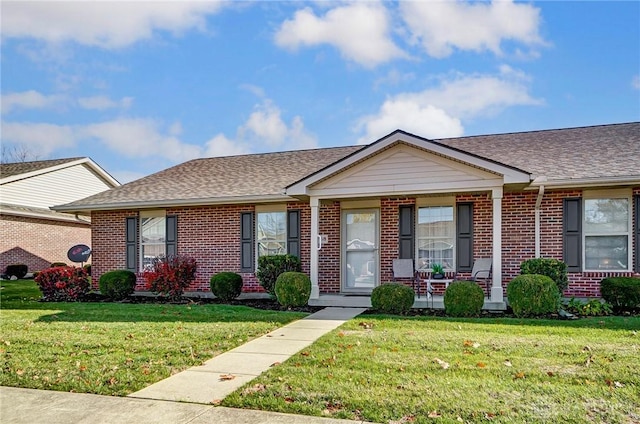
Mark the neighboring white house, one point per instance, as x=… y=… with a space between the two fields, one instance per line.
x=30 y=232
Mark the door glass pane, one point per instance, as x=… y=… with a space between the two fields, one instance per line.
x=361 y=250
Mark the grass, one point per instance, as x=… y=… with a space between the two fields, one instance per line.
x=427 y=369
x=114 y=348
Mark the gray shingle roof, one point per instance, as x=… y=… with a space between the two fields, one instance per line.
x=17 y=168
x=589 y=152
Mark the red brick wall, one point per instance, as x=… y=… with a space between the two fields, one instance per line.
x=38 y=242
x=211 y=235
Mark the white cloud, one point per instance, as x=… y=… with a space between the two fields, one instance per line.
x=103 y=24
x=28 y=100
x=442 y=26
x=104 y=102
x=220 y=145
x=439 y=112
x=140 y=138
x=360 y=31
x=42 y=138
x=635 y=82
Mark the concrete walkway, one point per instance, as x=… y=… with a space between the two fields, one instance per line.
x=185 y=397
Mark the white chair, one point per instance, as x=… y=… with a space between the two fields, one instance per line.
x=481 y=273
x=403 y=269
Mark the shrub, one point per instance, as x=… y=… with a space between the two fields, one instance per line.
x=57 y=264
x=118 y=284
x=463 y=299
x=533 y=295
x=169 y=276
x=293 y=289
x=392 y=298
x=552 y=268
x=19 y=270
x=226 y=285
x=593 y=307
x=623 y=293
x=63 y=284
x=271 y=266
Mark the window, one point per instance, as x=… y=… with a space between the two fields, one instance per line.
x=153 y=232
x=607 y=223
x=436 y=237
x=271 y=233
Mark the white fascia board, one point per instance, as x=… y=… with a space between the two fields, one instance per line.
x=510 y=175
x=586 y=182
x=217 y=201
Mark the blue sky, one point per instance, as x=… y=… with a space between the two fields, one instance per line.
x=141 y=86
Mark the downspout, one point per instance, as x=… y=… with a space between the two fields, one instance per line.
x=537 y=218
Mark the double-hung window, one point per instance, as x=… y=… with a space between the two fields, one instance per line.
x=271 y=233
x=436 y=235
x=607 y=231
x=153 y=236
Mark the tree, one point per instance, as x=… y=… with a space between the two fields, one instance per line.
x=16 y=154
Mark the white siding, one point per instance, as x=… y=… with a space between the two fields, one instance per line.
x=53 y=188
x=403 y=168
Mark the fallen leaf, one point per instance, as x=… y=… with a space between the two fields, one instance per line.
x=19 y=372
x=467 y=343
x=442 y=363
x=366 y=325
x=586 y=349
x=256 y=388
x=481 y=365
x=618 y=384
x=305 y=353
x=550 y=373
x=289 y=399
x=588 y=361
x=519 y=375
x=508 y=363
x=434 y=414
x=227 y=377
x=275 y=364
x=341 y=334
x=216 y=402
x=476 y=345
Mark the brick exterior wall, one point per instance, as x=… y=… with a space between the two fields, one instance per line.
x=38 y=242
x=211 y=236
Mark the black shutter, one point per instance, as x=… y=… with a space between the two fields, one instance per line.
x=132 y=243
x=572 y=234
x=246 y=242
x=464 y=237
x=293 y=232
x=172 y=235
x=405 y=233
x=637 y=239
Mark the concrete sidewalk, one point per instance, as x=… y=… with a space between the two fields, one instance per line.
x=204 y=384
x=28 y=406
x=185 y=397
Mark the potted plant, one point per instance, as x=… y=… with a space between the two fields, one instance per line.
x=437 y=271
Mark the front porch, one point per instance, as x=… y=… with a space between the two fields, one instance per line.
x=422 y=302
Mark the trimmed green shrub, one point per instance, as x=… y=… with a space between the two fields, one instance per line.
x=463 y=299
x=170 y=275
x=623 y=293
x=57 y=264
x=226 y=285
x=118 y=284
x=293 y=289
x=271 y=266
x=552 y=268
x=392 y=298
x=63 y=284
x=533 y=295
x=19 y=270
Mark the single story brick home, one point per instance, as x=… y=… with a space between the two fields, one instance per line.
x=348 y=212
x=30 y=232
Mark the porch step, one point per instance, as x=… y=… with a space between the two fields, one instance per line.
x=422 y=302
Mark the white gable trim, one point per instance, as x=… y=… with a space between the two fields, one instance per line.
x=505 y=174
x=104 y=175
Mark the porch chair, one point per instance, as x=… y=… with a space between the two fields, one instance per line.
x=403 y=269
x=481 y=273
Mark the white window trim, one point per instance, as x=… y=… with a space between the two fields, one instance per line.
x=609 y=194
x=425 y=202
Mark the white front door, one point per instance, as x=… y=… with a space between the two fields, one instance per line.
x=360 y=250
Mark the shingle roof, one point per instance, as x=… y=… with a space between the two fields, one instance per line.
x=603 y=151
x=17 y=168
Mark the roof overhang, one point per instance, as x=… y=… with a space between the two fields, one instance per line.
x=38 y=213
x=630 y=181
x=165 y=204
x=509 y=175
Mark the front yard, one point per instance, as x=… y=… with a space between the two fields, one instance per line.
x=416 y=370
x=114 y=348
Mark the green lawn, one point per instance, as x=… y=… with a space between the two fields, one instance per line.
x=114 y=348
x=427 y=369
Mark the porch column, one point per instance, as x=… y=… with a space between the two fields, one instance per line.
x=496 y=286
x=315 y=230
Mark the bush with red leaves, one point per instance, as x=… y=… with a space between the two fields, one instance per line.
x=63 y=284
x=169 y=276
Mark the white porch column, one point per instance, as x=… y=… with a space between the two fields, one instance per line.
x=496 y=286
x=315 y=229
